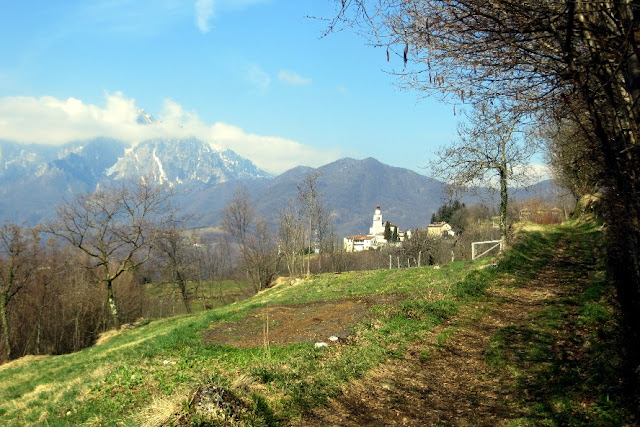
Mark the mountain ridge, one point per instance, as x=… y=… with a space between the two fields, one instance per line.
x=34 y=178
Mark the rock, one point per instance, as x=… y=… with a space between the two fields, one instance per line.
x=333 y=338
x=320 y=345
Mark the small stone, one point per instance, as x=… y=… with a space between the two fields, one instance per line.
x=320 y=345
x=165 y=362
x=333 y=338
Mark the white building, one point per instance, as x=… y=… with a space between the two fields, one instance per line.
x=440 y=229
x=375 y=238
x=359 y=242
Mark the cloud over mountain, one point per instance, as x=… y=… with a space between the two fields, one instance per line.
x=51 y=120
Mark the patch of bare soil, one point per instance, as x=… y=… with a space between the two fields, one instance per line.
x=454 y=384
x=290 y=323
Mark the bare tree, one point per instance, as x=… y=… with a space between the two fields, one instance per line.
x=574 y=160
x=19 y=259
x=176 y=251
x=309 y=197
x=490 y=151
x=115 y=227
x=291 y=237
x=253 y=236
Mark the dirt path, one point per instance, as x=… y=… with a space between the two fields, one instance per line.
x=454 y=384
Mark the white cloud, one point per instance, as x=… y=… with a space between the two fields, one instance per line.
x=293 y=78
x=51 y=120
x=205 y=11
x=272 y=153
x=258 y=77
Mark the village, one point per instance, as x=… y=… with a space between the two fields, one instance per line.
x=386 y=233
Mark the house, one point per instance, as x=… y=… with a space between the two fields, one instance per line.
x=375 y=238
x=440 y=229
x=359 y=242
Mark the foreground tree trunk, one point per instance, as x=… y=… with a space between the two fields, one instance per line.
x=5 y=326
x=113 y=307
x=504 y=195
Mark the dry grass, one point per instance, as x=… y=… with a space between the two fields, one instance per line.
x=161 y=409
x=23 y=361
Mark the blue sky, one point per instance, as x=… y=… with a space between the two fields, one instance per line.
x=251 y=75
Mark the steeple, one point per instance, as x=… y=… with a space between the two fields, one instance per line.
x=377 y=227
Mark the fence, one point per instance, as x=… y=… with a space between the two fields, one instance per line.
x=495 y=244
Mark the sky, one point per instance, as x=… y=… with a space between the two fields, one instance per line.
x=255 y=76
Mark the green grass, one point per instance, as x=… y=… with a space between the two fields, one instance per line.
x=149 y=374
x=566 y=361
x=167 y=359
x=167 y=300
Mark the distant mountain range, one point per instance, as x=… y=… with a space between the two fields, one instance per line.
x=34 y=178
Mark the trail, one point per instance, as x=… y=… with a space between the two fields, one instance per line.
x=452 y=382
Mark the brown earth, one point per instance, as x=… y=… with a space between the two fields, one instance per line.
x=290 y=323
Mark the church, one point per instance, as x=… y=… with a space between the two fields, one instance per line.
x=375 y=238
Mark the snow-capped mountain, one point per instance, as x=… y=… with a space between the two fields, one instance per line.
x=18 y=160
x=145 y=118
x=35 y=177
x=175 y=162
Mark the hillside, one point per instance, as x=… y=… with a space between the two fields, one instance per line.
x=351 y=189
x=531 y=341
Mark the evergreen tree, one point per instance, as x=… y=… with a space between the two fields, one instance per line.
x=387 y=231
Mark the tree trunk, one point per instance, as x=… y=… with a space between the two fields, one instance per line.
x=5 y=325
x=503 y=206
x=113 y=307
x=183 y=292
x=309 y=254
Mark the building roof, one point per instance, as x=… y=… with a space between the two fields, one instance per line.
x=437 y=224
x=360 y=237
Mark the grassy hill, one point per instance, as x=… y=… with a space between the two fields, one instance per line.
x=529 y=339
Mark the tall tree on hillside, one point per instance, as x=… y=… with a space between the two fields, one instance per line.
x=19 y=257
x=176 y=251
x=115 y=226
x=313 y=210
x=254 y=238
x=291 y=237
x=490 y=151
